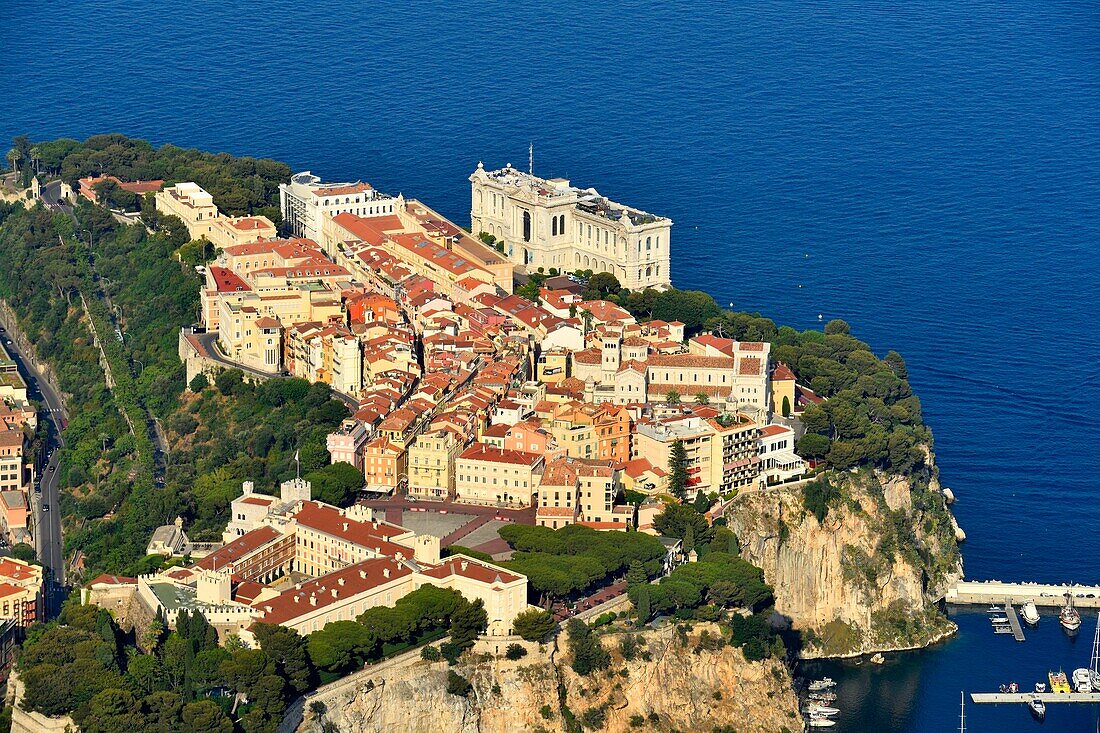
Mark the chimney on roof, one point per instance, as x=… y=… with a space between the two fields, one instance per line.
x=345 y=526
x=363 y=574
x=335 y=593
x=385 y=572
x=339 y=581
x=313 y=600
x=465 y=564
x=295 y=598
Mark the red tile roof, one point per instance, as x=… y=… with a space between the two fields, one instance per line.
x=782 y=373
x=227 y=281
x=238 y=548
x=467 y=567
x=337 y=586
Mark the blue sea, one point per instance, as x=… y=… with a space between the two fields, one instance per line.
x=928 y=171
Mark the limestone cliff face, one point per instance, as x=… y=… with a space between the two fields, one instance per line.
x=866 y=577
x=685 y=690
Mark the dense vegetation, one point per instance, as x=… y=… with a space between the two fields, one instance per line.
x=560 y=563
x=239 y=185
x=129 y=279
x=82 y=665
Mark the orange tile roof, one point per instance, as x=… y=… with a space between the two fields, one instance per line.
x=483 y=452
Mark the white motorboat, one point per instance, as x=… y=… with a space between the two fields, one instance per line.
x=822 y=684
x=1030 y=612
x=820 y=697
x=1040 y=687
x=999 y=620
x=1069 y=617
x=815 y=709
x=1082 y=680
x=1038 y=707
x=821 y=723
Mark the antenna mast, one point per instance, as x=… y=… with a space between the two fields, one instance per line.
x=1096 y=648
x=531 y=159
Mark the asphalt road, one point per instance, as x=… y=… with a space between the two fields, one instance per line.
x=47 y=522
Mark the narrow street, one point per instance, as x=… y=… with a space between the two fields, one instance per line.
x=46 y=513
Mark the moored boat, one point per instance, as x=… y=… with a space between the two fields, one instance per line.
x=1082 y=681
x=1029 y=612
x=821 y=722
x=1069 y=617
x=1037 y=707
x=999 y=620
x=1058 y=682
x=823 y=696
x=822 y=684
x=814 y=709
x=1040 y=687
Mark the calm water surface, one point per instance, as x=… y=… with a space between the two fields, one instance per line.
x=927 y=171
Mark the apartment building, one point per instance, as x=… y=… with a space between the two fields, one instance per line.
x=549 y=223
x=20 y=592
x=578 y=490
x=306 y=201
x=495 y=476
x=347 y=442
x=431 y=464
x=721 y=452
x=11 y=458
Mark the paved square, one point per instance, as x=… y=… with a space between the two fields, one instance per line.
x=433 y=523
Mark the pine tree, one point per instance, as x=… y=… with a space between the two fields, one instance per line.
x=644 y=610
x=689 y=540
x=677 y=464
x=636 y=575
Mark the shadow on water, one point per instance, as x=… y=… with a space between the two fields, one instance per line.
x=919 y=690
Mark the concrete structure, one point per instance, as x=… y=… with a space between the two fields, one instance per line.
x=778 y=461
x=305 y=202
x=233 y=231
x=1043 y=594
x=575 y=490
x=549 y=223
x=721 y=453
x=346 y=444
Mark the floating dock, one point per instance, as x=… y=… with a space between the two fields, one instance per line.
x=995 y=698
x=993 y=591
x=1013 y=621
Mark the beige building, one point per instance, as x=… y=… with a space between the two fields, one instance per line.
x=584 y=491
x=497 y=476
x=549 y=223
x=721 y=453
x=431 y=464
x=194 y=206
x=233 y=231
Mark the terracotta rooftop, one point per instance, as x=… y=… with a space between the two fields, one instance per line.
x=238 y=548
x=483 y=452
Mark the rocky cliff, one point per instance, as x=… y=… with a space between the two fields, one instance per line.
x=866 y=575
x=667 y=686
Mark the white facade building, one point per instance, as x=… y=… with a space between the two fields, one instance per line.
x=549 y=223
x=305 y=200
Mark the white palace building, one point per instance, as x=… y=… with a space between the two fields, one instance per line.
x=549 y=223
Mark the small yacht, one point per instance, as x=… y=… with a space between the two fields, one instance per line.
x=821 y=722
x=999 y=620
x=822 y=684
x=821 y=710
x=1069 y=617
x=1030 y=612
x=1037 y=707
x=1058 y=682
x=1082 y=681
x=1040 y=687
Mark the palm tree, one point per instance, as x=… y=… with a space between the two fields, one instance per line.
x=702 y=399
x=13 y=157
x=673 y=398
